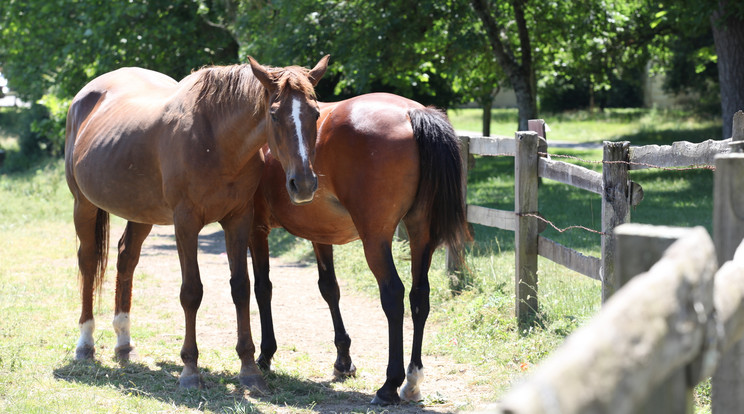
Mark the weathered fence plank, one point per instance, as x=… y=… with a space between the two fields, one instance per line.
x=728 y=230
x=573 y=175
x=566 y=257
x=505 y=220
x=495 y=145
x=644 y=332
x=639 y=246
x=729 y=299
x=615 y=207
x=679 y=154
x=526 y=231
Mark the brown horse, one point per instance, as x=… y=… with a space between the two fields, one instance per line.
x=155 y=151
x=380 y=159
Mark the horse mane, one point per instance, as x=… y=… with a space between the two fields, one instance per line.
x=230 y=85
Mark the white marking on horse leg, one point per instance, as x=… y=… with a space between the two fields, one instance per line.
x=411 y=390
x=121 y=327
x=86 y=343
x=298 y=129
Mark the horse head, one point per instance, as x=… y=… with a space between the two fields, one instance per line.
x=292 y=114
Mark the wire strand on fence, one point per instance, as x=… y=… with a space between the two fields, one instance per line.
x=642 y=164
x=573 y=157
x=560 y=230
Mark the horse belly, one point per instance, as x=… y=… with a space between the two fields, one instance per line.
x=324 y=221
x=123 y=182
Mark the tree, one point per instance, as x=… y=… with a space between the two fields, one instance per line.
x=515 y=60
x=68 y=42
x=727 y=21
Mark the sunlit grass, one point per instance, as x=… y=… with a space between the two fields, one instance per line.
x=640 y=126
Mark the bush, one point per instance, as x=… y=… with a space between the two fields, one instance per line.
x=43 y=131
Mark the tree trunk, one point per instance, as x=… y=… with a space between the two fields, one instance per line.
x=487 y=104
x=521 y=73
x=526 y=100
x=728 y=33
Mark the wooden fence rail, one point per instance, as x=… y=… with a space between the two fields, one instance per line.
x=664 y=330
x=659 y=323
x=613 y=184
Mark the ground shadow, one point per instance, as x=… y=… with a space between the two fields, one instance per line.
x=221 y=389
x=213 y=242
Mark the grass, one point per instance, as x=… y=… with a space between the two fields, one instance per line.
x=639 y=126
x=474 y=325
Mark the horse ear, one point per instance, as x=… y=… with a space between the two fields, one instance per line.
x=262 y=75
x=319 y=70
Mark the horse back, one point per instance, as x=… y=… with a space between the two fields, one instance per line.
x=368 y=170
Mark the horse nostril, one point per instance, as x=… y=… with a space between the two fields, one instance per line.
x=293 y=185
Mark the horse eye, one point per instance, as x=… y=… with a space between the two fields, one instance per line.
x=274 y=117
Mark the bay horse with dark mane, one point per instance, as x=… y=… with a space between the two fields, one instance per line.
x=155 y=151
x=380 y=159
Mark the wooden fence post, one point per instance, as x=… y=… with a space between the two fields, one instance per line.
x=615 y=208
x=728 y=232
x=451 y=257
x=540 y=127
x=638 y=247
x=525 y=235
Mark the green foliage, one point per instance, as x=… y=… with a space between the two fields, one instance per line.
x=375 y=45
x=68 y=42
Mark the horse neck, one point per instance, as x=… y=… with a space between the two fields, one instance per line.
x=239 y=130
x=235 y=124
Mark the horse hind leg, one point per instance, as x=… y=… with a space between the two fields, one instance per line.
x=421 y=253
x=378 y=252
x=91 y=227
x=259 y=247
x=130 y=246
x=328 y=285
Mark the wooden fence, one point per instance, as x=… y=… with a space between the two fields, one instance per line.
x=666 y=329
x=613 y=184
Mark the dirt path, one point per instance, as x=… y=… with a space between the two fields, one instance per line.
x=303 y=324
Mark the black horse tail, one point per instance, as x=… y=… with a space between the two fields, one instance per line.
x=440 y=191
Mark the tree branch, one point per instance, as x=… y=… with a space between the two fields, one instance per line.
x=506 y=60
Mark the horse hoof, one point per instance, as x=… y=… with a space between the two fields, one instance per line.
x=343 y=372
x=382 y=399
x=193 y=381
x=410 y=393
x=125 y=354
x=263 y=363
x=84 y=353
x=255 y=384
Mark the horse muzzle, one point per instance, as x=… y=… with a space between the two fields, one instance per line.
x=301 y=188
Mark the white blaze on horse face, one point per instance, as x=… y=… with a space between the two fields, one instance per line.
x=298 y=129
x=121 y=327
x=86 y=334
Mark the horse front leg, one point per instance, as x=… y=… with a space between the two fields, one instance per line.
x=328 y=285
x=187 y=228
x=237 y=230
x=130 y=246
x=380 y=260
